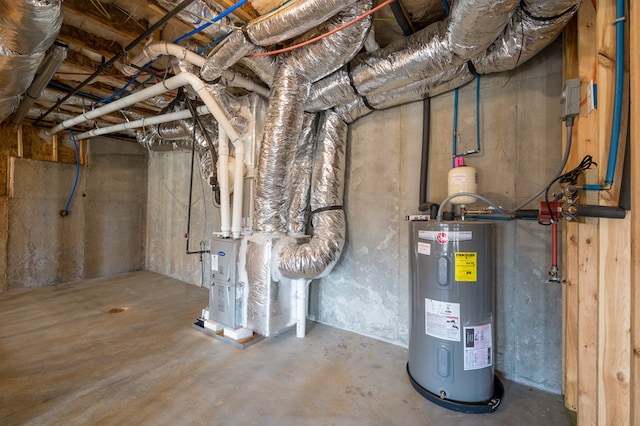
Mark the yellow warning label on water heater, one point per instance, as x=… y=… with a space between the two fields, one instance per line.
x=466 y=266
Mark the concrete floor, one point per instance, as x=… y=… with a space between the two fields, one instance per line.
x=65 y=359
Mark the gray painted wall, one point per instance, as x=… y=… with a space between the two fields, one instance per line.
x=368 y=291
x=102 y=235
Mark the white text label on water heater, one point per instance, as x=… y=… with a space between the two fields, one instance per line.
x=442 y=319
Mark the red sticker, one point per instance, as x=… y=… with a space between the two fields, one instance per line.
x=442 y=238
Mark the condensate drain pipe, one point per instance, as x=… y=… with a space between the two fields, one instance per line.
x=159 y=119
x=182 y=79
x=223 y=179
x=153 y=51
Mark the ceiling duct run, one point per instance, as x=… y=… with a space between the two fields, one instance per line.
x=29 y=28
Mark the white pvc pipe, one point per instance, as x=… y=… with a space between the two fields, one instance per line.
x=159 y=119
x=238 y=189
x=301 y=286
x=179 y=80
x=152 y=51
x=223 y=179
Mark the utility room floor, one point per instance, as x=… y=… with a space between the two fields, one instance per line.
x=122 y=350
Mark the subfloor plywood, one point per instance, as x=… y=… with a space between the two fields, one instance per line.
x=122 y=350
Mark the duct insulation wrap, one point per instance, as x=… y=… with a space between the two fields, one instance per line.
x=268 y=304
x=431 y=86
x=411 y=59
x=294 y=18
x=262 y=66
x=522 y=39
x=475 y=24
x=283 y=123
x=451 y=343
x=324 y=56
x=317 y=257
x=29 y=28
x=299 y=178
x=441 y=47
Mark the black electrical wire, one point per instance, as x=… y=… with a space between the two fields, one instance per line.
x=571 y=177
x=123 y=52
x=193 y=160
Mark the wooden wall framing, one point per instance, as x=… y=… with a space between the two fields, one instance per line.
x=601 y=314
x=29 y=142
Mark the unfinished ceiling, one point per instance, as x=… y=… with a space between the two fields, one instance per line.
x=98 y=40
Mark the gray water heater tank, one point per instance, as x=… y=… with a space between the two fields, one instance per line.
x=451 y=344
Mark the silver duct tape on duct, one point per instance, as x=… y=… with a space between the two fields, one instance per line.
x=475 y=24
x=431 y=86
x=316 y=258
x=522 y=39
x=29 y=28
x=283 y=122
x=299 y=178
x=268 y=303
x=52 y=96
x=324 y=56
x=293 y=19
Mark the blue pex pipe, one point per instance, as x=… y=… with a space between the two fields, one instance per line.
x=618 y=95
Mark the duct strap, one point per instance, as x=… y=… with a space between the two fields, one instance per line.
x=472 y=68
x=326 y=209
x=351 y=81
x=366 y=103
x=245 y=31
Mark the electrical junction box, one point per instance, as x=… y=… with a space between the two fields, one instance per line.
x=225 y=294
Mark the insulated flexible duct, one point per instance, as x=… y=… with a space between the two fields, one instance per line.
x=433 y=49
x=293 y=19
x=29 y=28
x=432 y=86
x=296 y=71
x=526 y=35
x=317 y=257
x=283 y=123
x=299 y=178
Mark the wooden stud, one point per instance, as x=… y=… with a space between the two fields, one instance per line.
x=634 y=47
x=588 y=325
x=570 y=250
x=54 y=148
x=20 y=150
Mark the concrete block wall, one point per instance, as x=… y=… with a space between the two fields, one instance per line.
x=102 y=235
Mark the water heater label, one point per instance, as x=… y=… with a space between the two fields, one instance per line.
x=424 y=248
x=442 y=319
x=477 y=347
x=445 y=237
x=466 y=266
